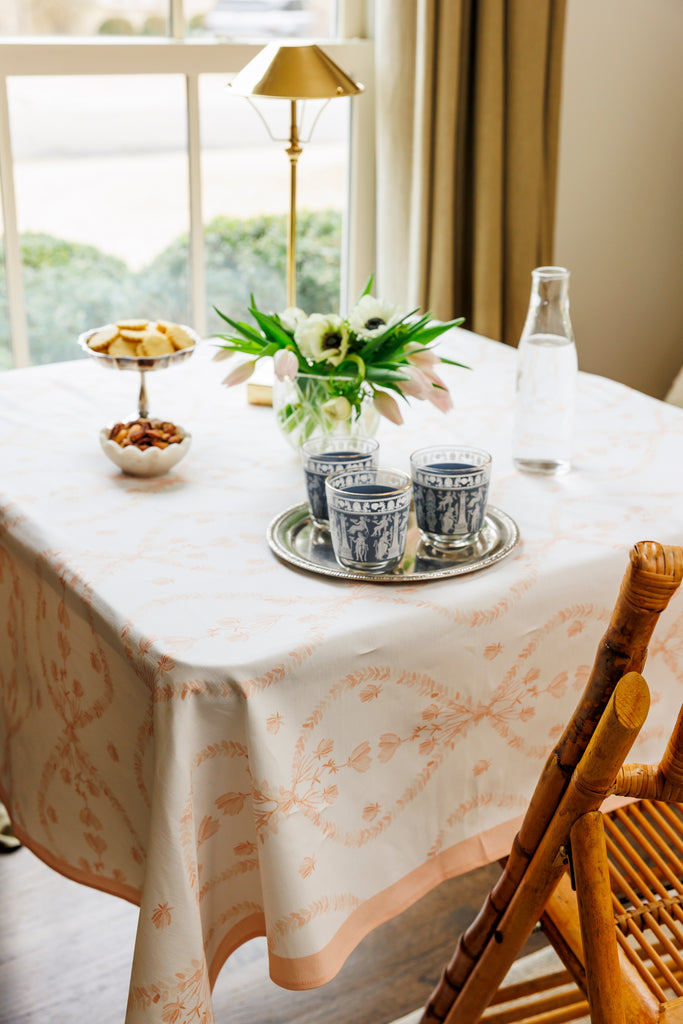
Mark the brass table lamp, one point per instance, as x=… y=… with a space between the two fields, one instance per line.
x=295 y=73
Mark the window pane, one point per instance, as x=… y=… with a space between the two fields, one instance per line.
x=269 y=18
x=245 y=182
x=84 y=17
x=102 y=203
x=254 y=18
x=5 y=352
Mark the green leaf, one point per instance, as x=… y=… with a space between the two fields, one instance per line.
x=382 y=375
x=392 y=353
x=430 y=333
x=371 y=347
x=414 y=331
x=390 y=386
x=269 y=350
x=355 y=359
x=368 y=287
x=271 y=329
x=452 y=362
x=248 y=330
x=249 y=348
x=244 y=329
x=399 y=330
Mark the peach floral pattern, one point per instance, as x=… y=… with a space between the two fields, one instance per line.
x=242 y=749
x=184 y=999
x=307 y=867
x=161 y=917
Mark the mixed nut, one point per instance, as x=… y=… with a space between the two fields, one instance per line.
x=144 y=433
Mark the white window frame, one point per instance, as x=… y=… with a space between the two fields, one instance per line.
x=191 y=58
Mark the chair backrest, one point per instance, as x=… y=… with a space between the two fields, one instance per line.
x=644 y=869
x=487 y=948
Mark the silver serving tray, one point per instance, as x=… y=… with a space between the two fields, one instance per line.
x=294 y=539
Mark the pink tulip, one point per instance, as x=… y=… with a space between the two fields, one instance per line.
x=240 y=374
x=441 y=399
x=418 y=386
x=439 y=396
x=223 y=353
x=286 y=364
x=387 y=406
x=433 y=376
x=422 y=356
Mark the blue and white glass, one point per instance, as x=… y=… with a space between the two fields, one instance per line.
x=450 y=489
x=369 y=510
x=321 y=456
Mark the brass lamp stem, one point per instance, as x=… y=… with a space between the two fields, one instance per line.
x=293 y=151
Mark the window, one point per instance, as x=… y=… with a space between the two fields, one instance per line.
x=234 y=18
x=101 y=185
x=5 y=350
x=134 y=184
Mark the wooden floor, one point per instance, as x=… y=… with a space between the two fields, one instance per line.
x=66 y=950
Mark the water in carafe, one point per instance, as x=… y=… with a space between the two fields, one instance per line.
x=545 y=399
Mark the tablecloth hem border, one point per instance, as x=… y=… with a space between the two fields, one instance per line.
x=469 y=854
x=93 y=881
x=317 y=969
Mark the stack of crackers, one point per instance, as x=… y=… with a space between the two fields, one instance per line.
x=140 y=338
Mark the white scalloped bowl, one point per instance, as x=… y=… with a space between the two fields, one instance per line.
x=152 y=461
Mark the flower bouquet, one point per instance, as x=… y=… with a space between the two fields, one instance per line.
x=334 y=375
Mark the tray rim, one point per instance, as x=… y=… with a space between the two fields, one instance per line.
x=337 y=572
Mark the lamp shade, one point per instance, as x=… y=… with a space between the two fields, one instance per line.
x=294 y=73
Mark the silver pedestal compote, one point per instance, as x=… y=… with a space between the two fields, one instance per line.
x=139 y=364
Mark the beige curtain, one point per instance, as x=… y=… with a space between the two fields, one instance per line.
x=467 y=129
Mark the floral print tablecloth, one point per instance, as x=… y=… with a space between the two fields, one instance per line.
x=244 y=748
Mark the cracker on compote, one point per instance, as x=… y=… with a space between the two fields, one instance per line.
x=102 y=339
x=140 y=339
x=122 y=347
x=154 y=343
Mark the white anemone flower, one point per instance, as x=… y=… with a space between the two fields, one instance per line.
x=371 y=317
x=323 y=337
x=291 y=317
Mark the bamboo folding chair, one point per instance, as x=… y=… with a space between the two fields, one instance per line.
x=563 y=828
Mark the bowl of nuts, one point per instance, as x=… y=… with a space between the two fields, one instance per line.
x=145 y=447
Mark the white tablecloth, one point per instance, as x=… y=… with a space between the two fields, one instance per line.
x=241 y=747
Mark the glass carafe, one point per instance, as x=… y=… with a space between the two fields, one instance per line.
x=545 y=399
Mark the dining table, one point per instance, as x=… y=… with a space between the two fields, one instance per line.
x=244 y=745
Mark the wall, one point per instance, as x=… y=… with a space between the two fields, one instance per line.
x=619 y=225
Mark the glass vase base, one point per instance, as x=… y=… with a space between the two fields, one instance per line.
x=543 y=467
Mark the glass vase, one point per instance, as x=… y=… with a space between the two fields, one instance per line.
x=299 y=403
